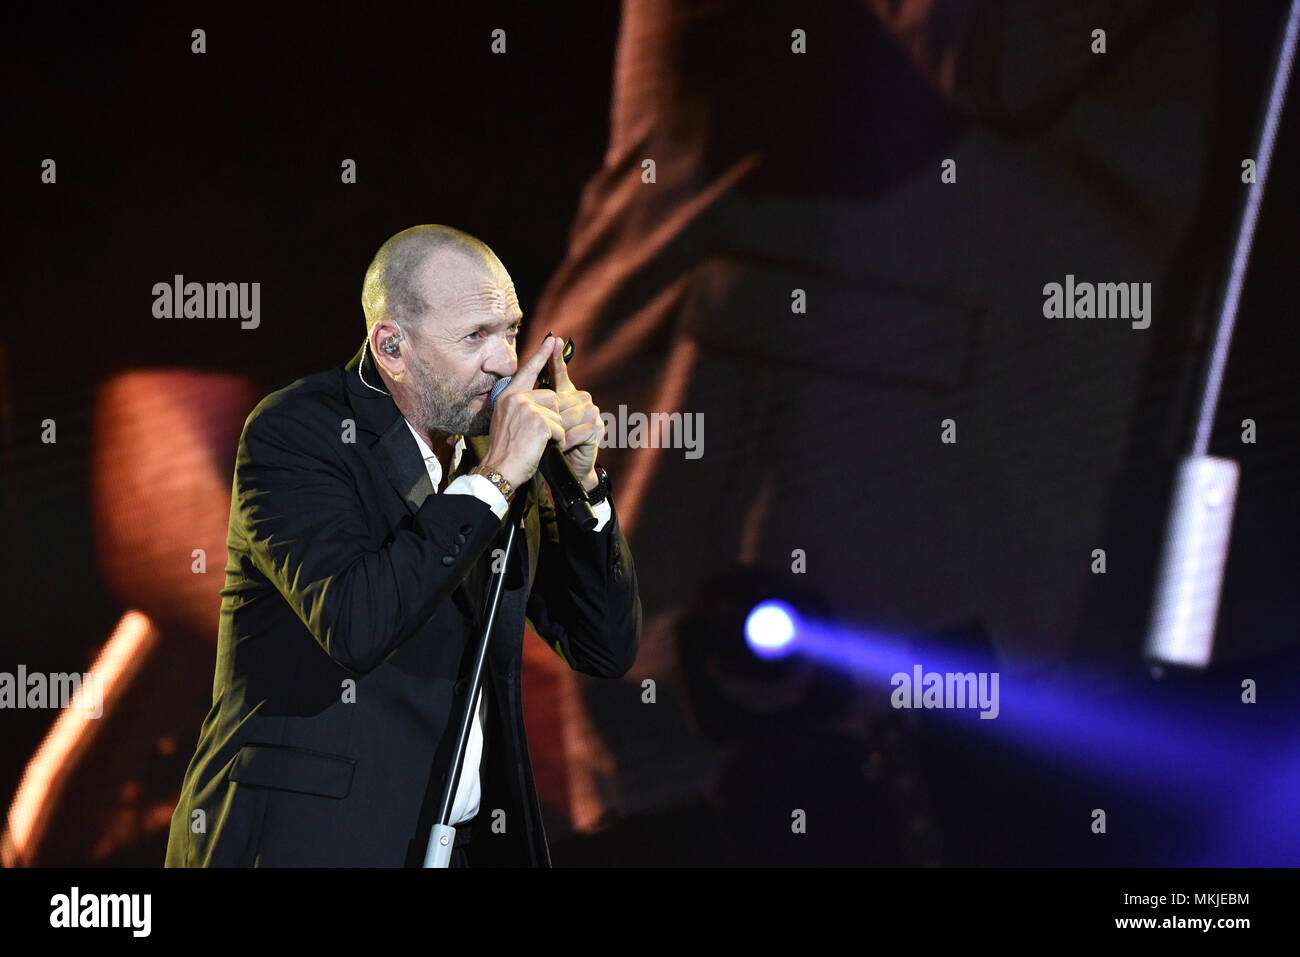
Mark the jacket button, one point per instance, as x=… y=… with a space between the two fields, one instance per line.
x=449 y=559
x=466 y=529
x=460 y=539
x=460 y=686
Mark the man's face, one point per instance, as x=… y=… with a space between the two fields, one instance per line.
x=464 y=347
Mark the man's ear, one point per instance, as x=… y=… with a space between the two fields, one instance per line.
x=391 y=341
x=386 y=342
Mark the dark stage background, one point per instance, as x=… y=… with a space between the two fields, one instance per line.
x=776 y=171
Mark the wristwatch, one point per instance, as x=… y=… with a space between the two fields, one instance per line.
x=601 y=491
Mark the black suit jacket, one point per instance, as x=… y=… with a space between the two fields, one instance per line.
x=352 y=602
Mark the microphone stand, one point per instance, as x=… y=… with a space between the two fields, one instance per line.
x=443 y=835
x=1185 y=606
x=570 y=497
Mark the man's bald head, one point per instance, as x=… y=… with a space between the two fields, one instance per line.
x=441 y=323
x=397 y=284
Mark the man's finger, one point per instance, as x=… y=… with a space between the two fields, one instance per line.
x=577 y=436
x=566 y=400
x=556 y=424
x=525 y=377
x=577 y=412
x=545 y=398
x=560 y=373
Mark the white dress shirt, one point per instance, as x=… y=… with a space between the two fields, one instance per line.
x=468 y=789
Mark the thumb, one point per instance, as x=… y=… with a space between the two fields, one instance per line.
x=560 y=372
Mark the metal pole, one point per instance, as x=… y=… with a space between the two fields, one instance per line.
x=443 y=835
x=1190 y=579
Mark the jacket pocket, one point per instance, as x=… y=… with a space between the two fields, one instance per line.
x=293 y=769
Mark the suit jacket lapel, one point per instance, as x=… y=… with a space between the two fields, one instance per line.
x=398 y=455
x=389 y=440
x=474 y=586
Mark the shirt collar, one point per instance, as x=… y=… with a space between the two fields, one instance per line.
x=431 y=462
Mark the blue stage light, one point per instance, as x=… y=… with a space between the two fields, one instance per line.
x=771 y=628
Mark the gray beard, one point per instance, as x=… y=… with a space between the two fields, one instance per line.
x=442 y=410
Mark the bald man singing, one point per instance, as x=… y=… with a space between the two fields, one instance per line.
x=369 y=512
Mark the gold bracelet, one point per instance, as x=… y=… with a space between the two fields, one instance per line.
x=496 y=478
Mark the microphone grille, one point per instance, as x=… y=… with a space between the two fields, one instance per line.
x=498 y=389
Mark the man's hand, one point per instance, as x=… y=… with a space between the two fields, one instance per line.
x=524 y=420
x=584 y=429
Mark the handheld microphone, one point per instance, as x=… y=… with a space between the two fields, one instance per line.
x=567 y=492
x=498 y=389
